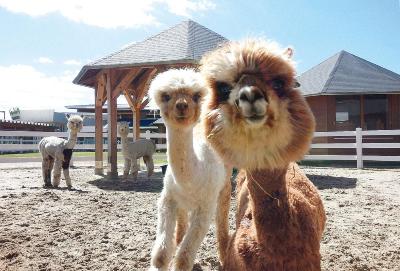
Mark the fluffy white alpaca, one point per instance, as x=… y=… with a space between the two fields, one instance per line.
x=196 y=180
x=134 y=150
x=57 y=152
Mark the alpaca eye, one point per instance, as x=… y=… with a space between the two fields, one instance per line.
x=278 y=85
x=196 y=97
x=223 y=91
x=165 y=97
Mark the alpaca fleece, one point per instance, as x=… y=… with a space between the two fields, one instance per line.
x=196 y=183
x=57 y=153
x=257 y=121
x=134 y=150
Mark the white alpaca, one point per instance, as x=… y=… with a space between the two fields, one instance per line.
x=196 y=180
x=134 y=150
x=57 y=152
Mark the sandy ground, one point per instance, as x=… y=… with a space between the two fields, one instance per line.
x=110 y=225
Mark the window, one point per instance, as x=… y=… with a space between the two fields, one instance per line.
x=375 y=112
x=347 y=112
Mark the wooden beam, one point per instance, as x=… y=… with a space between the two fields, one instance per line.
x=143 y=86
x=98 y=168
x=130 y=100
x=112 y=128
x=101 y=93
x=126 y=80
x=144 y=103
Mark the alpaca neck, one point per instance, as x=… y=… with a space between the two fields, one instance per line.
x=269 y=202
x=181 y=156
x=124 y=141
x=71 y=142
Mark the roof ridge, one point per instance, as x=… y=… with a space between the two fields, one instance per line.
x=376 y=67
x=136 y=43
x=333 y=71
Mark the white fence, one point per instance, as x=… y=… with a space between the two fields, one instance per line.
x=359 y=145
x=27 y=140
x=11 y=141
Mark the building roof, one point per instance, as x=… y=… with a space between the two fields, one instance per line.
x=120 y=107
x=345 y=73
x=182 y=43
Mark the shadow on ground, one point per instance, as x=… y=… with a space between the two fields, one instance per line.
x=143 y=183
x=329 y=182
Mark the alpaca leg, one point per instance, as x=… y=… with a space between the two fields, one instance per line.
x=181 y=225
x=222 y=218
x=67 y=177
x=134 y=168
x=46 y=171
x=198 y=226
x=164 y=245
x=148 y=160
x=57 y=172
x=127 y=165
x=50 y=169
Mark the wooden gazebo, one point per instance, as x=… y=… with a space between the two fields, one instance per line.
x=130 y=71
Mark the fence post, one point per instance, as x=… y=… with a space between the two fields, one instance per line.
x=359 y=147
x=147 y=134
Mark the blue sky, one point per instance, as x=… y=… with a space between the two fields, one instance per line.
x=46 y=42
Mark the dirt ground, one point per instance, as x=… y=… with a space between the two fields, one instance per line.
x=110 y=225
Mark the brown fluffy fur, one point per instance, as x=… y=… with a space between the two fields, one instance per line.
x=280 y=216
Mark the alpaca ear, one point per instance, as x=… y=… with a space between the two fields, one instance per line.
x=288 y=52
x=83 y=117
x=67 y=116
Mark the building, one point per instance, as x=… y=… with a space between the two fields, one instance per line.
x=346 y=92
x=124 y=113
x=46 y=116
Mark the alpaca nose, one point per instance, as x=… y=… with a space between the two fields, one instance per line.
x=181 y=106
x=250 y=94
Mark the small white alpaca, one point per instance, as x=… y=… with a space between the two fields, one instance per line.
x=57 y=152
x=134 y=150
x=196 y=183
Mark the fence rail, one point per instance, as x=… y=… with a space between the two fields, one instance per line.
x=359 y=145
x=28 y=140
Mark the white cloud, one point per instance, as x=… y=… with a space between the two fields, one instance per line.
x=36 y=90
x=108 y=14
x=72 y=62
x=185 y=7
x=44 y=60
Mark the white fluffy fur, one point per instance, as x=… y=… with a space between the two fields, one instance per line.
x=193 y=182
x=134 y=150
x=52 y=149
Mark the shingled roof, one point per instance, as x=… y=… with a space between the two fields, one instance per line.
x=182 y=43
x=345 y=73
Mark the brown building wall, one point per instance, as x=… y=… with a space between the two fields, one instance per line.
x=318 y=105
x=394 y=111
x=324 y=109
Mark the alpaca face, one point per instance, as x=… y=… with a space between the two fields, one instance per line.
x=123 y=128
x=75 y=123
x=178 y=94
x=180 y=107
x=256 y=118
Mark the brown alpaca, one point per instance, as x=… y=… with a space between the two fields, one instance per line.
x=257 y=121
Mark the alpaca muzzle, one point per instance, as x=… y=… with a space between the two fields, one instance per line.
x=252 y=104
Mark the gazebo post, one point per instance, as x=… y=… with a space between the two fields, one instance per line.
x=112 y=171
x=100 y=94
x=98 y=170
x=136 y=134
